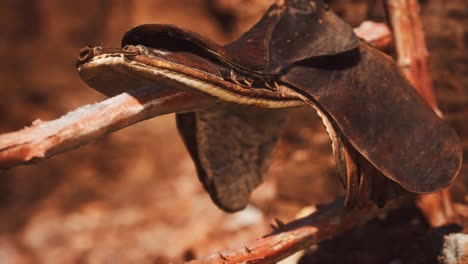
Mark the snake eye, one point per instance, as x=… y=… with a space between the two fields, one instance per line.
x=130 y=50
x=85 y=55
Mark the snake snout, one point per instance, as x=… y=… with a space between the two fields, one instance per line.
x=85 y=55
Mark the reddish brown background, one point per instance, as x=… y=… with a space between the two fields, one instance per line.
x=133 y=196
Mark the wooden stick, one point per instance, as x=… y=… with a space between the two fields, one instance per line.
x=87 y=123
x=411 y=47
x=421 y=55
x=325 y=223
x=404 y=42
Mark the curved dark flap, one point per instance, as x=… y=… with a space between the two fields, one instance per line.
x=231 y=147
x=293 y=31
x=289 y=32
x=382 y=116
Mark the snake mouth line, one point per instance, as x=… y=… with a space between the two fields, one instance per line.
x=131 y=68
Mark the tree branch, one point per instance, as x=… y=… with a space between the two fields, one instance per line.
x=411 y=46
x=325 y=223
x=87 y=123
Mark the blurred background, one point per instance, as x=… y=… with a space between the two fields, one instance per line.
x=133 y=196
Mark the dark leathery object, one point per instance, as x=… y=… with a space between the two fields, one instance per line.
x=287 y=33
x=382 y=116
x=380 y=127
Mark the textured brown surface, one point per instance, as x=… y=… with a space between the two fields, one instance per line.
x=383 y=117
x=134 y=196
x=232 y=147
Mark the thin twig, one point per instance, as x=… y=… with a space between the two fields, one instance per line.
x=87 y=123
x=325 y=223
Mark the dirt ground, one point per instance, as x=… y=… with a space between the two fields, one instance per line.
x=133 y=196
